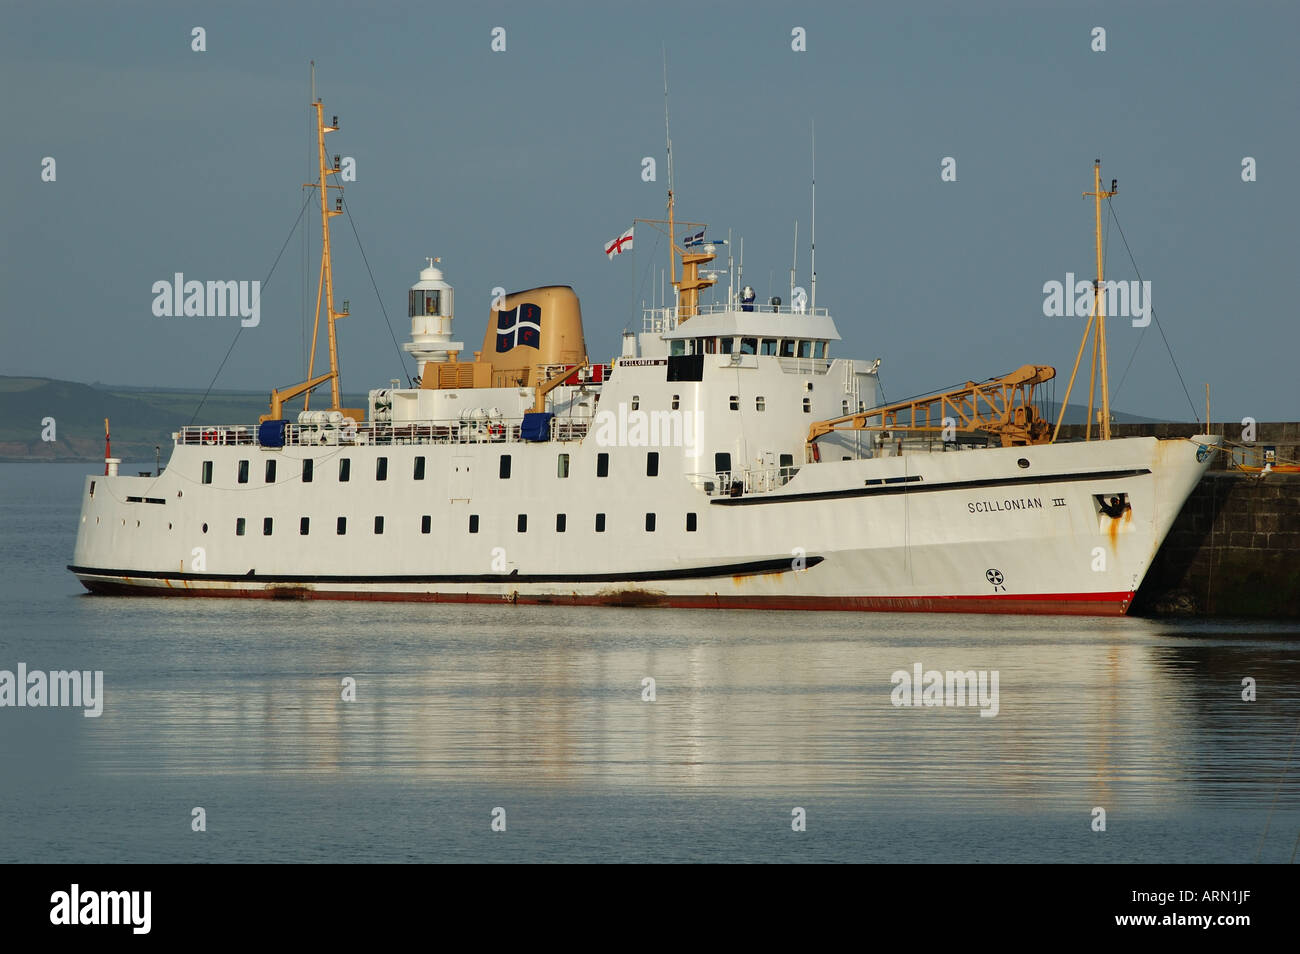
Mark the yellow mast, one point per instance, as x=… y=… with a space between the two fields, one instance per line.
x=324 y=286
x=1096 y=327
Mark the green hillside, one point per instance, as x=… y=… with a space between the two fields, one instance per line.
x=140 y=419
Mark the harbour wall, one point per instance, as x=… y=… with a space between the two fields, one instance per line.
x=1235 y=548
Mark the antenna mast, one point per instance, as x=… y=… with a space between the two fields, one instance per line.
x=794 y=264
x=668 y=140
x=813 y=307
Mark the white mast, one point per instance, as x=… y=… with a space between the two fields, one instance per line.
x=794 y=265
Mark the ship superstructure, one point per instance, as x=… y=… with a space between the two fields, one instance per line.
x=728 y=457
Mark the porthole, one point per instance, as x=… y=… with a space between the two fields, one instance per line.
x=1022 y=463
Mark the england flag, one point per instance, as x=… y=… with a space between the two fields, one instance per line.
x=620 y=244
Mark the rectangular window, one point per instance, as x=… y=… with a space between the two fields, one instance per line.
x=602 y=465
x=504 y=470
x=819 y=351
x=805 y=349
x=381 y=468
x=342 y=526
x=560 y=521
x=734 y=401
x=521 y=523
x=722 y=463
x=379 y=524
x=239 y=526
x=760 y=403
x=769 y=346
x=426 y=522
x=345 y=470
x=243 y=472
x=678 y=346
x=304 y=526
x=600 y=523
x=270 y=471
x=807 y=405
x=473 y=523
x=787 y=460
x=726 y=345
x=636 y=402
x=690 y=523
x=677 y=401
x=652 y=464
x=419 y=468
x=787 y=348
x=562 y=465
x=308 y=468
x=749 y=346
x=207 y=471
x=266 y=526
x=649 y=523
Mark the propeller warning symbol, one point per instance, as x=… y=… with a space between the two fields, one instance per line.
x=995 y=577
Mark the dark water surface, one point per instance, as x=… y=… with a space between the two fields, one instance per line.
x=235 y=706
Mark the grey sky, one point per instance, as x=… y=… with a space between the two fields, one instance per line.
x=516 y=167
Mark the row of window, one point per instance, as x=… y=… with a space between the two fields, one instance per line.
x=381 y=468
x=426 y=524
x=779 y=347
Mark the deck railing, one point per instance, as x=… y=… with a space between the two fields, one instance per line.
x=383 y=433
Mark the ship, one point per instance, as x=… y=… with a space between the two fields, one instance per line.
x=728 y=457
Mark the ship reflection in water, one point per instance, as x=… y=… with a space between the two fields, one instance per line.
x=237 y=707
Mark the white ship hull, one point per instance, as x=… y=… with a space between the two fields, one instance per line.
x=971 y=531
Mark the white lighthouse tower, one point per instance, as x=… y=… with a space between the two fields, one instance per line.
x=431 y=312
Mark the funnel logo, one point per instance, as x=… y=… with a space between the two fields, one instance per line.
x=521 y=325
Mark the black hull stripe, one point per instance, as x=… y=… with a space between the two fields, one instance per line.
x=753 y=568
x=920 y=488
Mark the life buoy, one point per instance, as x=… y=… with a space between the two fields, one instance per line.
x=210 y=435
x=497 y=431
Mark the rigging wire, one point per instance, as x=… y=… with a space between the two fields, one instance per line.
x=240 y=330
x=1159 y=327
x=375 y=285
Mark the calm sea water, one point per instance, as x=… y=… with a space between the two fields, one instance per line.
x=235 y=707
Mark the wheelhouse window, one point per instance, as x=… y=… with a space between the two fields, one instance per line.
x=726 y=345
x=819 y=350
x=787 y=347
x=749 y=346
x=678 y=347
x=769 y=346
x=805 y=349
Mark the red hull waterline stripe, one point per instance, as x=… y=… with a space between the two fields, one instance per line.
x=1037 y=604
